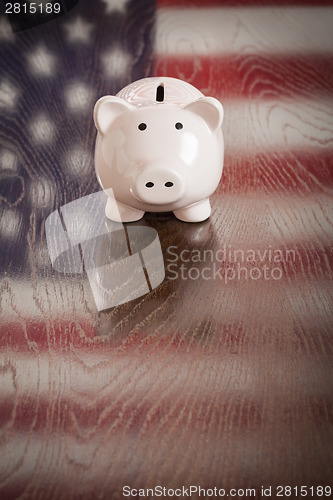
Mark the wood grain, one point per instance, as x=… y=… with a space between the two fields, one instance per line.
x=253 y=76
x=213 y=379
x=253 y=30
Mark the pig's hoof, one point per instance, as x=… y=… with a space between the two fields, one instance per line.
x=122 y=213
x=194 y=213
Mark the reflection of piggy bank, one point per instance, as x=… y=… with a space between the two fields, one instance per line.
x=160 y=148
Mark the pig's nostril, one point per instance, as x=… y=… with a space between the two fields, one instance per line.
x=149 y=184
x=168 y=184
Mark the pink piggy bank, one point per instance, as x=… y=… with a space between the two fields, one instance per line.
x=159 y=148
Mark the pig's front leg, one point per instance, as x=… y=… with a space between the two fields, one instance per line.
x=118 y=212
x=194 y=213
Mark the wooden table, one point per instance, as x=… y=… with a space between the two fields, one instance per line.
x=222 y=375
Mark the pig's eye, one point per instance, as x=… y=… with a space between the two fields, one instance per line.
x=179 y=125
x=142 y=126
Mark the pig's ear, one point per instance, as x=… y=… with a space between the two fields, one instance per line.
x=107 y=109
x=209 y=109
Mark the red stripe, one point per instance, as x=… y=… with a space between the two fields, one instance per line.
x=256 y=76
x=35 y=334
x=115 y=411
x=132 y=413
x=56 y=336
x=273 y=172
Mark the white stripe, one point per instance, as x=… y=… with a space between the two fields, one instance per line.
x=271 y=125
x=244 y=30
x=92 y=377
x=271 y=220
x=313 y=305
x=102 y=454
x=63 y=297
x=125 y=375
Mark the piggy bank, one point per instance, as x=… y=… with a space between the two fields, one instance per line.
x=159 y=148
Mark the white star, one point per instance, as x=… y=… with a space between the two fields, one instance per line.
x=5 y=30
x=10 y=223
x=41 y=62
x=78 y=162
x=42 y=129
x=8 y=95
x=41 y=192
x=8 y=160
x=116 y=63
x=118 y=5
x=78 y=96
x=78 y=30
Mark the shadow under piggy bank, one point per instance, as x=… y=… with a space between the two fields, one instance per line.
x=164 y=308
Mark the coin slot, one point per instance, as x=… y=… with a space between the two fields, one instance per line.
x=160 y=93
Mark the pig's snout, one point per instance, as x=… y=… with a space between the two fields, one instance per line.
x=159 y=186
